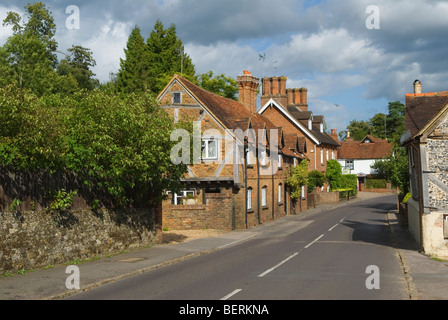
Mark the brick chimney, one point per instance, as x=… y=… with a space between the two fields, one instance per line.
x=248 y=85
x=274 y=88
x=334 y=135
x=298 y=97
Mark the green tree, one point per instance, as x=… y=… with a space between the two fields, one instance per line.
x=220 y=84
x=396 y=121
x=134 y=69
x=30 y=53
x=167 y=57
x=298 y=178
x=315 y=179
x=379 y=125
x=78 y=63
x=333 y=174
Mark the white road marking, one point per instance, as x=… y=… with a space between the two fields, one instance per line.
x=230 y=295
x=331 y=229
x=278 y=265
x=314 y=241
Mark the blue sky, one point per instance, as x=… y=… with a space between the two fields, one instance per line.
x=351 y=72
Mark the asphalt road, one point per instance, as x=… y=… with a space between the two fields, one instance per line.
x=345 y=253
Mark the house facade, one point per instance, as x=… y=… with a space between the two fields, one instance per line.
x=288 y=108
x=426 y=140
x=357 y=157
x=237 y=177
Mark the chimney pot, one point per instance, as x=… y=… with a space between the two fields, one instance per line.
x=417 y=87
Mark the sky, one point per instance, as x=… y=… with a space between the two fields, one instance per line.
x=353 y=59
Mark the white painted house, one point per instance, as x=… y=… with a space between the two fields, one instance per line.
x=357 y=157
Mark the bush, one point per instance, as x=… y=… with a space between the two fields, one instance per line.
x=375 y=183
x=315 y=179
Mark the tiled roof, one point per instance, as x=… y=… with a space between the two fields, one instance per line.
x=359 y=150
x=232 y=114
x=422 y=108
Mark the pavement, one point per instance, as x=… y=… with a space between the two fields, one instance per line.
x=427 y=279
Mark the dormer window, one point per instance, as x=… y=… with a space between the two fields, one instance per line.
x=310 y=124
x=321 y=127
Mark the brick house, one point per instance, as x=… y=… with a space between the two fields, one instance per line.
x=239 y=180
x=288 y=108
x=426 y=140
x=357 y=157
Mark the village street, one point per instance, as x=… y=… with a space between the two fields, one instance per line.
x=344 y=253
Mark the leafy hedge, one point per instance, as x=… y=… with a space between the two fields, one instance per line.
x=120 y=143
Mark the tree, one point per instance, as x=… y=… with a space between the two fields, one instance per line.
x=358 y=130
x=396 y=121
x=379 y=125
x=167 y=57
x=298 y=178
x=333 y=174
x=78 y=63
x=315 y=179
x=220 y=84
x=30 y=53
x=134 y=69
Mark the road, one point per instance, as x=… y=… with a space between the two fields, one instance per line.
x=345 y=254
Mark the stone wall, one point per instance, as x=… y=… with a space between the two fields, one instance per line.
x=32 y=240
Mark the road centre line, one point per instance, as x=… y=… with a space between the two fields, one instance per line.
x=331 y=229
x=278 y=265
x=314 y=241
x=227 y=297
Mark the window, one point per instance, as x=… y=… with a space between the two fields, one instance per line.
x=210 y=149
x=177 y=98
x=264 y=197
x=328 y=155
x=349 y=164
x=177 y=198
x=249 y=198
x=249 y=157
x=322 y=155
x=280 y=160
x=295 y=162
x=263 y=158
x=280 y=186
x=303 y=192
x=332 y=154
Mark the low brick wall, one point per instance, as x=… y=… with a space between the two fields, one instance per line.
x=216 y=213
x=317 y=198
x=32 y=240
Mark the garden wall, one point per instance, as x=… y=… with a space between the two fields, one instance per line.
x=32 y=237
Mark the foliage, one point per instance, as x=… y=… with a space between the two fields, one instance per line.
x=28 y=58
x=395 y=168
x=333 y=174
x=63 y=200
x=390 y=126
x=220 y=84
x=375 y=183
x=150 y=65
x=78 y=64
x=120 y=143
x=349 y=181
x=315 y=179
x=14 y=205
x=297 y=178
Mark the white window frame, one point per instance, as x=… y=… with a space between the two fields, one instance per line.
x=178 y=197
x=264 y=156
x=264 y=197
x=280 y=191
x=249 y=199
x=350 y=164
x=206 y=149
